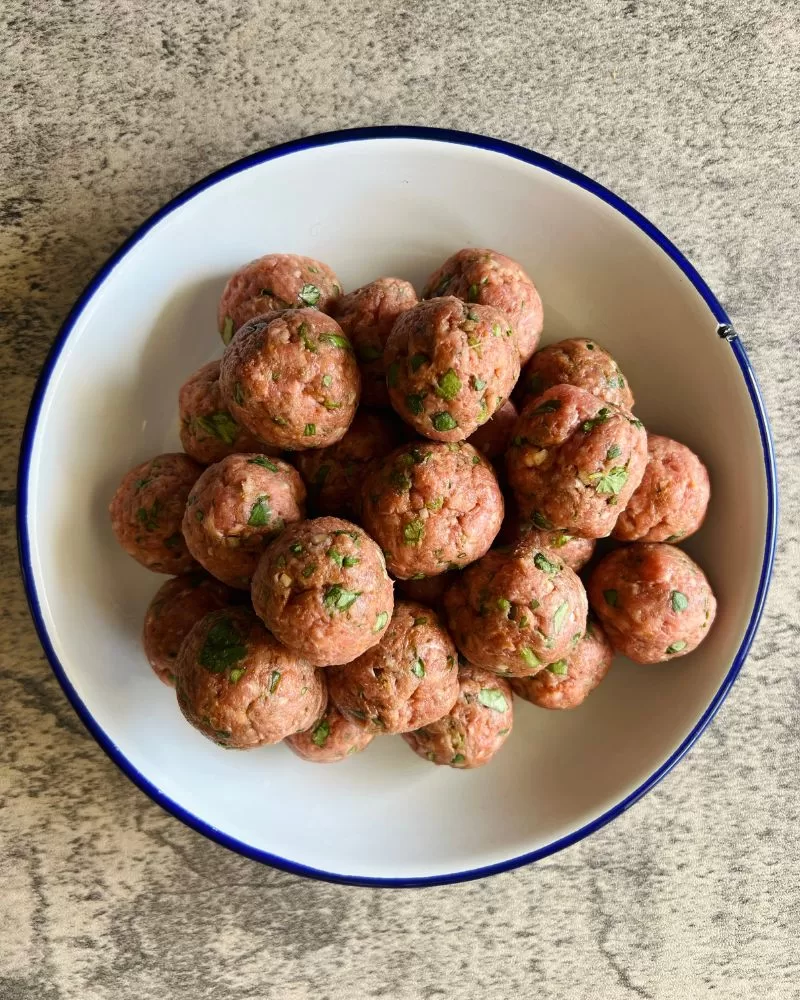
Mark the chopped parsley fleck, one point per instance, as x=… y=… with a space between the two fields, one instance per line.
x=413 y=532
x=223 y=647
x=493 y=698
x=677 y=646
x=680 y=602
x=238 y=394
x=541 y=521
x=308 y=343
x=327 y=381
x=380 y=621
x=330 y=404
x=280 y=421
x=610 y=482
x=337 y=598
x=561 y=540
x=613 y=452
x=148 y=517
x=141 y=483
x=530 y=658
x=458 y=758
x=309 y=570
x=336 y=340
x=602 y=415
x=400 y=481
x=415 y=402
x=220 y=425
x=227 y=330
x=472 y=294
x=296 y=548
x=478 y=383
x=310 y=430
x=634 y=422
x=260 y=513
x=611 y=597
x=368 y=353
x=418 y=667
x=548 y=406
x=448 y=385
x=443 y=421
x=320 y=733
x=418 y=360
x=309 y=294
x=442 y=285
x=675 y=538
x=559 y=616
x=341 y=560
x=541 y=562
x=264 y=462
x=422 y=620
x=274 y=681
x=503 y=605
x=236 y=674
x=559 y=668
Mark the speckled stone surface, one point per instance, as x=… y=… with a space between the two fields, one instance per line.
x=691 y=111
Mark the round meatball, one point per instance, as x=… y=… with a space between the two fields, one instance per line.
x=428 y=590
x=575 y=461
x=335 y=476
x=571 y=549
x=367 y=316
x=322 y=588
x=492 y=279
x=240 y=687
x=275 y=282
x=580 y=362
x=431 y=507
x=569 y=681
x=671 y=501
x=177 y=606
x=291 y=379
x=516 y=610
x=493 y=438
x=147 y=509
x=475 y=727
x=208 y=432
x=333 y=737
x=236 y=508
x=408 y=680
x=449 y=366
x=654 y=602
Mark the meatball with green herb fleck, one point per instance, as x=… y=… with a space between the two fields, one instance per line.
x=516 y=610
x=567 y=682
x=147 y=509
x=291 y=379
x=208 y=431
x=332 y=738
x=236 y=508
x=492 y=279
x=367 y=316
x=240 y=687
x=580 y=362
x=176 y=607
x=671 y=501
x=322 y=589
x=575 y=461
x=432 y=507
x=653 y=601
x=334 y=476
x=573 y=550
x=449 y=366
x=408 y=680
x=476 y=726
x=275 y=282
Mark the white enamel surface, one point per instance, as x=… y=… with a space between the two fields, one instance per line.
x=388 y=206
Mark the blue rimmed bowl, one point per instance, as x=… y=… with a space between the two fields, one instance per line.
x=372 y=202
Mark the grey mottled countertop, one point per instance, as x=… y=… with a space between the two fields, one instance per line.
x=691 y=111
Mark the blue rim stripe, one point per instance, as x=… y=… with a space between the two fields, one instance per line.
x=358 y=135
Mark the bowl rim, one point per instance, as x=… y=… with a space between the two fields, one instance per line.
x=433 y=135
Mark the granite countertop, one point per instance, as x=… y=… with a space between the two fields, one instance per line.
x=690 y=111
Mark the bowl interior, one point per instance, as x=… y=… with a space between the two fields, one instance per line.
x=384 y=206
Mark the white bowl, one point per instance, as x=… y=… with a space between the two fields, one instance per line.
x=375 y=202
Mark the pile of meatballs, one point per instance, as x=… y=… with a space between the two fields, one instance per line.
x=348 y=443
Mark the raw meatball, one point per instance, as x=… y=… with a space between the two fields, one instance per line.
x=208 y=432
x=275 y=282
x=335 y=476
x=580 y=362
x=476 y=726
x=493 y=438
x=516 y=610
x=432 y=507
x=571 y=549
x=177 y=606
x=147 y=509
x=236 y=508
x=575 y=461
x=240 y=687
x=291 y=379
x=367 y=316
x=323 y=590
x=491 y=278
x=332 y=738
x=408 y=680
x=671 y=500
x=654 y=602
x=568 y=682
x=449 y=366
x=426 y=590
